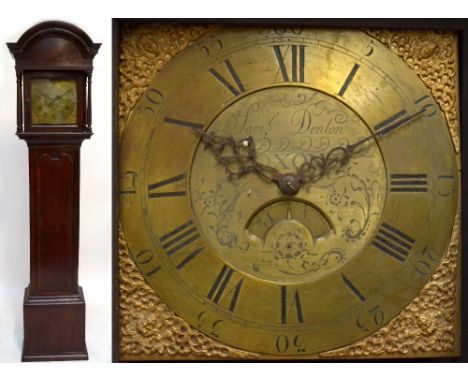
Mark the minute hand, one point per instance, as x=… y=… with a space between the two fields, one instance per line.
x=350 y=148
x=339 y=156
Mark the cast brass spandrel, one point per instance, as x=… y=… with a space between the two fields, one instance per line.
x=433 y=57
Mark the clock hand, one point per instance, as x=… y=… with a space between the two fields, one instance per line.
x=318 y=166
x=388 y=129
x=237 y=157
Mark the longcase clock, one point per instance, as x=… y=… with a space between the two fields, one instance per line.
x=53 y=69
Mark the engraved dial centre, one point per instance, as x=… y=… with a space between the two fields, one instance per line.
x=289 y=231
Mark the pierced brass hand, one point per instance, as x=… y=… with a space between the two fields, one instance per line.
x=239 y=157
x=389 y=128
x=339 y=156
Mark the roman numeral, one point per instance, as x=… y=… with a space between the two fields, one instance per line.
x=220 y=288
x=392 y=123
x=419 y=100
x=297 y=62
x=154 y=192
x=189 y=258
x=408 y=183
x=393 y=242
x=153 y=271
x=234 y=85
x=188 y=124
x=352 y=288
x=179 y=238
x=287 y=309
x=348 y=80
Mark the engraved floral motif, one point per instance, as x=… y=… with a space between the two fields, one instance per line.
x=219 y=205
x=298 y=260
x=292 y=254
x=349 y=191
x=290 y=246
x=337 y=199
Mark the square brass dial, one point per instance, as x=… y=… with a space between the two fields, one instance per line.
x=429 y=326
x=53 y=101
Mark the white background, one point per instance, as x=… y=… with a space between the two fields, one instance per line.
x=94 y=17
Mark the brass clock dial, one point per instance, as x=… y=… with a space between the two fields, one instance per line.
x=352 y=227
x=53 y=101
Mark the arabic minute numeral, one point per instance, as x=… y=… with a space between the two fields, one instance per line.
x=375 y=317
x=154 y=96
x=284 y=343
x=211 y=46
x=283 y=30
x=214 y=326
x=429 y=258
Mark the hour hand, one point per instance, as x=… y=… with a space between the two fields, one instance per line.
x=238 y=157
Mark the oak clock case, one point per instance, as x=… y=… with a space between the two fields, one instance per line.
x=53 y=70
x=290 y=191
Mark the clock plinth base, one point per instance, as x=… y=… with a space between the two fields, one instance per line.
x=54 y=327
